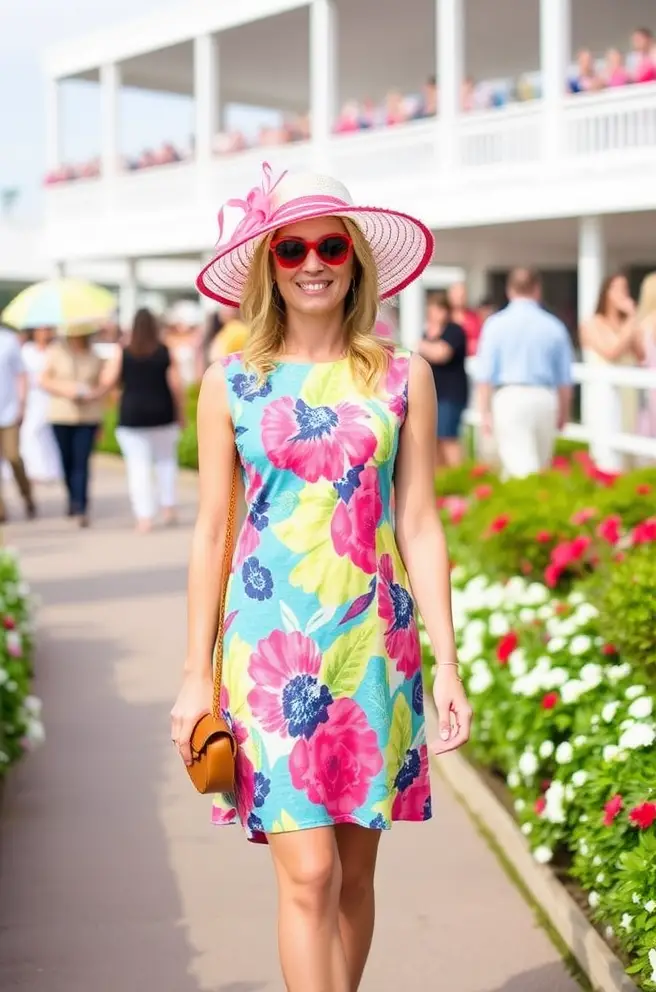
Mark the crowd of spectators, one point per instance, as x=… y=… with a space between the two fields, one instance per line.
x=589 y=74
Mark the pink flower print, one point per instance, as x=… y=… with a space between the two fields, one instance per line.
x=413 y=799
x=256 y=520
x=354 y=522
x=395 y=605
x=396 y=384
x=316 y=442
x=244 y=771
x=288 y=698
x=335 y=767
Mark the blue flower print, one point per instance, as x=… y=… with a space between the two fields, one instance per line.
x=258 y=581
x=347 y=485
x=305 y=703
x=428 y=808
x=247 y=388
x=379 y=822
x=254 y=824
x=408 y=771
x=314 y=421
x=258 y=511
x=262 y=789
x=418 y=694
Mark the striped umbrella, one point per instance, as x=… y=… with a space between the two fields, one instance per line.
x=64 y=303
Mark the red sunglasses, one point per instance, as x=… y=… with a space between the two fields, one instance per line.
x=332 y=249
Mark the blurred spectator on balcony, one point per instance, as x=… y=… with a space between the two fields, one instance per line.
x=298 y=128
x=396 y=109
x=463 y=315
x=646 y=317
x=444 y=347
x=229 y=142
x=641 y=61
x=348 y=120
x=428 y=100
x=586 y=79
x=611 y=337
x=370 y=114
x=524 y=375
x=468 y=94
x=615 y=72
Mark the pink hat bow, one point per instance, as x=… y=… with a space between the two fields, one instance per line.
x=258 y=206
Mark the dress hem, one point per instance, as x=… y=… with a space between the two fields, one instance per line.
x=260 y=837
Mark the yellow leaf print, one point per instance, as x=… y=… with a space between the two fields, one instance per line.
x=385 y=428
x=345 y=661
x=400 y=738
x=327 y=385
x=386 y=545
x=235 y=672
x=334 y=579
x=286 y=822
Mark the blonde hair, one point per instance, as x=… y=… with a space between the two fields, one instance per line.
x=262 y=311
x=647 y=300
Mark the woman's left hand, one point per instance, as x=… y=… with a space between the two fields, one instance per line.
x=453 y=710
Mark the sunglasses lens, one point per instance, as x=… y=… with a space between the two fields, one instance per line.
x=334 y=249
x=290 y=252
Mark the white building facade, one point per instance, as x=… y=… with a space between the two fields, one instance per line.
x=565 y=182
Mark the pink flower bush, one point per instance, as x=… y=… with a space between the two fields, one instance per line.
x=354 y=522
x=319 y=442
x=336 y=765
x=288 y=698
x=396 y=607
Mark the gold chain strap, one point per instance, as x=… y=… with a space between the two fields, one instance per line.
x=225 y=577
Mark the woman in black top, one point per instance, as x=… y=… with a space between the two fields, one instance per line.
x=150 y=416
x=444 y=346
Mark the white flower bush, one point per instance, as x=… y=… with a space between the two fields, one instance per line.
x=571 y=728
x=21 y=728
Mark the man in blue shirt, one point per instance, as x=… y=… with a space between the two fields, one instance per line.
x=524 y=376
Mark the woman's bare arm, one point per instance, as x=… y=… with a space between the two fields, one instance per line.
x=597 y=336
x=438 y=352
x=174 y=381
x=216 y=450
x=418 y=528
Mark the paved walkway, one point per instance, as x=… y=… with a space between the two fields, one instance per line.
x=111 y=877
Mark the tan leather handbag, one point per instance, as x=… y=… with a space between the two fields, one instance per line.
x=213 y=745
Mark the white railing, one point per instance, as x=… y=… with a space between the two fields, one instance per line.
x=509 y=136
x=606 y=379
x=610 y=123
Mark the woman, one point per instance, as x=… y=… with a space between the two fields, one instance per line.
x=72 y=377
x=184 y=340
x=646 y=319
x=611 y=338
x=322 y=680
x=39 y=449
x=444 y=347
x=151 y=412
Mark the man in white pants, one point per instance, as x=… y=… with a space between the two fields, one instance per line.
x=524 y=376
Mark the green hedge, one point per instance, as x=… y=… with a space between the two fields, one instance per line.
x=554 y=581
x=20 y=723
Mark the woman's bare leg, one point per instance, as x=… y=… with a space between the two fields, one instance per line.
x=309 y=882
x=358 y=849
x=452 y=452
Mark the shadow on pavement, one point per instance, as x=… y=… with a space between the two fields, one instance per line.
x=105 y=586
x=549 y=978
x=88 y=899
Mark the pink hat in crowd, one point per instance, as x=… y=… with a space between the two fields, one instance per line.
x=401 y=245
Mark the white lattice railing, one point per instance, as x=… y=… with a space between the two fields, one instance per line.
x=614 y=122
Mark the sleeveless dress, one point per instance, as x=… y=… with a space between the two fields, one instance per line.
x=321 y=674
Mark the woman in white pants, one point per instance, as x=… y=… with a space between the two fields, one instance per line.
x=150 y=416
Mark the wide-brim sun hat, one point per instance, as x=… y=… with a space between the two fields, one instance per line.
x=402 y=246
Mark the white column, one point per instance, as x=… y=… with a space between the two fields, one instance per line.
x=597 y=396
x=53 y=124
x=110 y=82
x=450 y=49
x=206 y=94
x=412 y=314
x=128 y=295
x=60 y=269
x=323 y=77
x=477 y=283
x=555 y=56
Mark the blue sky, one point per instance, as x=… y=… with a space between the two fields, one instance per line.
x=28 y=28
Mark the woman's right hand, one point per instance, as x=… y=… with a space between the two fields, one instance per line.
x=194 y=701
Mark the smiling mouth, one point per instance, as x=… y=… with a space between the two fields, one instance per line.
x=312 y=288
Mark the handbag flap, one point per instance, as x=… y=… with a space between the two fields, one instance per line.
x=207 y=729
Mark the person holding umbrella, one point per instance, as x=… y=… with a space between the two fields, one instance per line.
x=71 y=373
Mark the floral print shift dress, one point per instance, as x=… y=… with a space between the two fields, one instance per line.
x=322 y=675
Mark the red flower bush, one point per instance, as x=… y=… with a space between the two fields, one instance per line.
x=645 y=532
x=483 y=492
x=506 y=646
x=563 y=555
x=544 y=537
x=643 y=816
x=643 y=489
x=609 y=650
x=8 y=623
x=550 y=700
x=612 y=810
x=540 y=805
x=479 y=470
x=609 y=530
x=499 y=523
x=582 y=516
